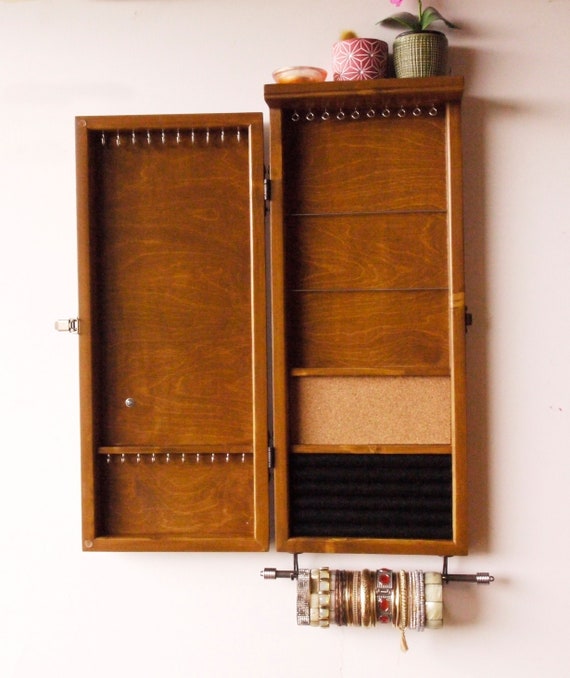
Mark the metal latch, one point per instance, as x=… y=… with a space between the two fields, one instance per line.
x=67 y=325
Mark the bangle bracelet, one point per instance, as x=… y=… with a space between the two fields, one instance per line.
x=403 y=613
x=320 y=597
x=417 y=618
x=339 y=599
x=396 y=610
x=303 y=613
x=314 y=598
x=324 y=596
x=372 y=597
x=348 y=597
x=403 y=617
x=412 y=600
x=340 y=593
x=333 y=610
x=421 y=602
x=433 y=600
x=356 y=610
x=365 y=601
x=384 y=594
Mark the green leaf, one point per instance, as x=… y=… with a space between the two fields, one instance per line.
x=405 y=19
x=429 y=15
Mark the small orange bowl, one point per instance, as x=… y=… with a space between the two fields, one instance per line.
x=297 y=74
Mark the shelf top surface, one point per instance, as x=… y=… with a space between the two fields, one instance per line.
x=415 y=90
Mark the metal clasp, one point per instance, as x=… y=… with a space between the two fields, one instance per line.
x=67 y=325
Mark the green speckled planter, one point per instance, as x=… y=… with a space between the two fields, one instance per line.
x=420 y=54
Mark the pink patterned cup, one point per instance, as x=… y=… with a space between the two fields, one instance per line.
x=360 y=59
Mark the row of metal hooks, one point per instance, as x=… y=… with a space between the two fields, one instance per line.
x=170 y=136
x=177 y=457
x=356 y=113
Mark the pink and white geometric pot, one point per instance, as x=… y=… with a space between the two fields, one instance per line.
x=360 y=59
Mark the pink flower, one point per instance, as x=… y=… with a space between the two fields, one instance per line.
x=397 y=3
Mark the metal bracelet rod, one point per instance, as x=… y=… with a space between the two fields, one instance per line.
x=273 y=573
x=479 y=578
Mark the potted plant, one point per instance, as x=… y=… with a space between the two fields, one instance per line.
x=420 y=51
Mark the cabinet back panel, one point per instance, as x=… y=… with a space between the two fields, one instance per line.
x=174 y=293
x=367 y=251
x=370 y=410
x=365 y=165
x=190 y=499
x=393 y=330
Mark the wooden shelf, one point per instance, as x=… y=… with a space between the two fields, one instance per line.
x=371 y=449
x=384 y=371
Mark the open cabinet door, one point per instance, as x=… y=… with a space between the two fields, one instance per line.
x=172 y=330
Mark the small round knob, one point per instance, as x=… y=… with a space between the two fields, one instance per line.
x=130 y=402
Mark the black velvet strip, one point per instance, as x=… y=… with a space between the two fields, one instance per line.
x=393 y=496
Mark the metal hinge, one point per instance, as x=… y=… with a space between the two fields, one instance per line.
x=67 y=325
x=270 y=455
x=267 y=189
x=468 y=319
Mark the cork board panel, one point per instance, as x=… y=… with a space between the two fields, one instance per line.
x=371 y=410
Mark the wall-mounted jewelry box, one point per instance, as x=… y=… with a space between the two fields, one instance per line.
x=345 y=259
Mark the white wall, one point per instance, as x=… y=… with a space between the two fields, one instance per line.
x=72 y=614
